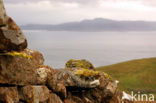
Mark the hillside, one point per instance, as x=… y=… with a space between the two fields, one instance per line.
x=96 y=25
x=134 y=75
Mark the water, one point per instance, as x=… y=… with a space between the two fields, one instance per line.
x=101 y=48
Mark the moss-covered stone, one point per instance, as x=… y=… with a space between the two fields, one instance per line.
x=87 y=73
x=79 y=64
x=20 y=54
x=107 y=76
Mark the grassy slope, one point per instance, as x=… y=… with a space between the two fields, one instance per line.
x=135 y=74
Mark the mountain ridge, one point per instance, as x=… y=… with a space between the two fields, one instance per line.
x=97 y=24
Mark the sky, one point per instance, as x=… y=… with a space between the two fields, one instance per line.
x=61 y=11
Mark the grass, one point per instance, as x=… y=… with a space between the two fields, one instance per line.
x=136 y=75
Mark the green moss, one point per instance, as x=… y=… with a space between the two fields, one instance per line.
x=79 y=64
x=86 y=69
x=14 y=53
x=87 y=73
x=107 y=76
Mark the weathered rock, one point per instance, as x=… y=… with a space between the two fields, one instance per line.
x=110 y=89
x=53 y=98
x=94 y=95
x=69 y=101
x=87 y=100
x=12 y=38
x=3 y=16
x=18 y=70
x=63 y=80
x=9 y=95
x=43 y=72
x=116 y=98
x=34 y=94
x=69 y=78
x=56 y=86
x=79 y=64
x=74 y=99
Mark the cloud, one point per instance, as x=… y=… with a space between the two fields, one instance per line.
x=151 y=3
x=21 y=1
x=59 y=11
x=78 y=1
x=63 y=1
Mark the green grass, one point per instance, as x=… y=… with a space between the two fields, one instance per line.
x=136 y=75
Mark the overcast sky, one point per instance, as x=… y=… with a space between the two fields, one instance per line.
x=60 y=11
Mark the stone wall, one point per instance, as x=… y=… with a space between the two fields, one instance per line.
x=25 y=79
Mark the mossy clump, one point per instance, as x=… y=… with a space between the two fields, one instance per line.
x=85 y=69
x=79 y=64
x=14 y=53
x=87 y=73
x=107 y=76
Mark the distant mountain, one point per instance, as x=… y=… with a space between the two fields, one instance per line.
x=98 y=24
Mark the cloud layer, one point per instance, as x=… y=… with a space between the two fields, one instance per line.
x=145 y=2
x=59 y=11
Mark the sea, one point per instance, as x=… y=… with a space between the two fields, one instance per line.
x=100 y=48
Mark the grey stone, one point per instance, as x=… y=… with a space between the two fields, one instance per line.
x=12 y=38
x=3 y=16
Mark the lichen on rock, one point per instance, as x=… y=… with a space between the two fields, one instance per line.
x=20 y=54
x=79 y=64
x=15 y=70
x=87 y=73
